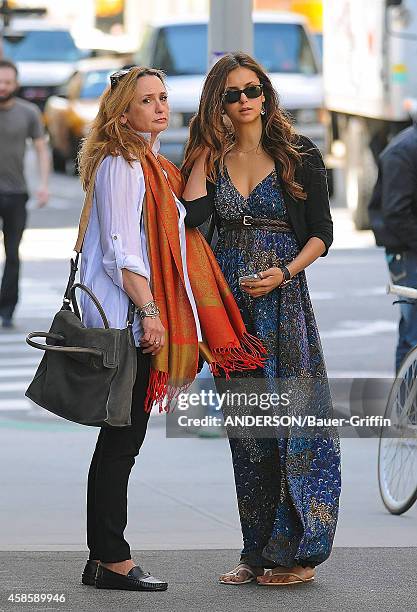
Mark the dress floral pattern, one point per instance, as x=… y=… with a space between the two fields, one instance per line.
x=288 y=486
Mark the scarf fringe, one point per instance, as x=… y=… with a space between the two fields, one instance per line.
x=157 y=387
x=160 y=390
x=247 y=356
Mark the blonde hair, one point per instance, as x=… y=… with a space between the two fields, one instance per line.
x=108 y=136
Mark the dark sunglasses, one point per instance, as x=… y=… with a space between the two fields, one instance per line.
x=231 y=96
x=116 y=76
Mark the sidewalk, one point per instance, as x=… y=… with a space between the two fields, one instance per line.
x=360 y=579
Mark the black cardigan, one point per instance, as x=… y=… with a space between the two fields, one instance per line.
x=310 y=217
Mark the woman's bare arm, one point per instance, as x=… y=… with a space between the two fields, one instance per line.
x=196 y=183
x=137 y=288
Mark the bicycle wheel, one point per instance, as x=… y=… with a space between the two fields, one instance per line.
x=397 y=455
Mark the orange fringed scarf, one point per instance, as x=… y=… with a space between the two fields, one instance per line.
x=227 y=346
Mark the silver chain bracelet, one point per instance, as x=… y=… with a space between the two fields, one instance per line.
x=150 y=309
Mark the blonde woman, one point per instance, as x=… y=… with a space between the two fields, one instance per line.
x=136 y=246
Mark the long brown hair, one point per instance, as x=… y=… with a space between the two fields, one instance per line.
x=207 y=128
x=107 y=135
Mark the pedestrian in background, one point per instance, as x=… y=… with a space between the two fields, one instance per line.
x=393 y=217
x=19 y=120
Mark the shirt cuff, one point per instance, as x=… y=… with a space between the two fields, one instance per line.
x=133 y=263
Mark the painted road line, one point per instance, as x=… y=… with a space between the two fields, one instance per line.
x=16 y=372
x=48 y=243
x=16 y=348
x=6 y=338
x=19 y=361
x=14 y=386
x=6 y=405
x=358 y=329
x=380 y=374
x=323 y=295
x=342 y=295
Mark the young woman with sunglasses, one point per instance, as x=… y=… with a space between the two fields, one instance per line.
x=136 y=245
x=266 y=187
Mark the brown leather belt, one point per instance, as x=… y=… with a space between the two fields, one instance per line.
x=248 y=222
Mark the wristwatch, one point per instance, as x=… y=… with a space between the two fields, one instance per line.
x=150 y=309
x=287 y=275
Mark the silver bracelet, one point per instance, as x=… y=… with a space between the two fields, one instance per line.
x=150 y=309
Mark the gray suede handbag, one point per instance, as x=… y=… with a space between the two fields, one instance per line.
x=86 y=375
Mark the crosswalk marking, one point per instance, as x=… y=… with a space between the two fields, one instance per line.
x=11 y=338
x=17 y=348
x=19 y=361
x=16 y=373
x=15 y=404
x=48 y=243
x=13 y=386
x=357 y=329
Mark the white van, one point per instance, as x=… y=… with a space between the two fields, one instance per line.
x=282 y=44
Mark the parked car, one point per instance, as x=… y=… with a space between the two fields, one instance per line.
x=282 y=44
x=45 y=56
x=68 y=114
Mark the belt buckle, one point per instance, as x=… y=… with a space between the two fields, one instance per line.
x=245 y=220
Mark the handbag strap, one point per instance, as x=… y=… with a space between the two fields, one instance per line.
x=69 y=295
x=71 y=280
x=86 y=210
x=70 y=298
x=59 y=349
x=93 y=298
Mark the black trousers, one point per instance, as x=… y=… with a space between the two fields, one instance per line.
x=13 y=212
x=108 y=477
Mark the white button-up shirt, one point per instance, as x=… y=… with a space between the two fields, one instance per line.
x=115 y=239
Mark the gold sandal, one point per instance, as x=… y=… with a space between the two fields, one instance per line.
x=235 y=572
x=271 y=572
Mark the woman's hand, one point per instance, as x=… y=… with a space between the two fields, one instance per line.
x=202 y=156
x=271 y=279
x=153 y=338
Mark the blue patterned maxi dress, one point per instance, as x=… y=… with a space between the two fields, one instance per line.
x=287 y=487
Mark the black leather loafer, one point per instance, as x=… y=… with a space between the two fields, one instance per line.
x=135 y=580
x=89 y=573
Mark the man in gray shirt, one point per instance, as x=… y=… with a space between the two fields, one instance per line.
x=19 y=120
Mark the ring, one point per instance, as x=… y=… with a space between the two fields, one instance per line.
x=260 y=275
x=156 y=341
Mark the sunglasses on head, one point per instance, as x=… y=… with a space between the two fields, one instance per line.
x=116 y=76
x=231 y=96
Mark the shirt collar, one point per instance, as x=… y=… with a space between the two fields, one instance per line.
x=157 y=143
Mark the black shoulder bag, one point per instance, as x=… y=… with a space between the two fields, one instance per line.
x=86 y=375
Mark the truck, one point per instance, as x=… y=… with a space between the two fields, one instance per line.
x=283 y=44
x=369 y=71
